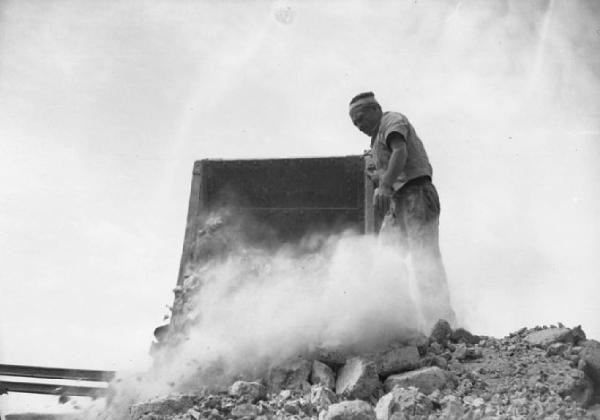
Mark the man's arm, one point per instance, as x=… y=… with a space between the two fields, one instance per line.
x=397 y=160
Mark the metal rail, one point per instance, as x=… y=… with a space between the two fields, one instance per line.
x=56 y=373
x=38 y=372
x=53 y=389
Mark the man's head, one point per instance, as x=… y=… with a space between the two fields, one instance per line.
x=365 y=113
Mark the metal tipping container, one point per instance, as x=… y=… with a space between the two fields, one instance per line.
x=291 y=197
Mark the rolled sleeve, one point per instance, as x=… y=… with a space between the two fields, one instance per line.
x=395 y=124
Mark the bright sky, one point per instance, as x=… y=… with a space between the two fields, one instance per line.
x=104 y=106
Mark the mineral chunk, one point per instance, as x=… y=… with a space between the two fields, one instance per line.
x=426 y=380
x=290 y=375
x=441 y=332
x=176 y=404
x=358 y=378
x=404 y=401
x=398 y=359
x=543 y=338
x=349 y=410
x=321 y=397
x=322 y=374
x=248 y=391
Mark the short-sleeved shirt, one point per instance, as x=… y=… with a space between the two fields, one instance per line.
x=417 y=162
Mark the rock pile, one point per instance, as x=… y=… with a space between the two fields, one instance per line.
x=544 y=372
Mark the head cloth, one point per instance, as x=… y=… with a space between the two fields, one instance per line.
x=363 y=99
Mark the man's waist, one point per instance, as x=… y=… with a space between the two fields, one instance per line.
x=418 y=180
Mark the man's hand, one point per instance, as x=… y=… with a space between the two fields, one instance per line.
x=373 y=175
x=382 y=198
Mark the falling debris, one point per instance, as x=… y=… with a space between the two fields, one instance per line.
x=384 y=369
x=543 y=372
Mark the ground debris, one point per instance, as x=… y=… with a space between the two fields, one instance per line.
x=547 y=373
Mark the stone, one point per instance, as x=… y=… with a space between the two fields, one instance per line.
x=322 y=374
x=412 y=337
x=578 y=335
x=384 y=406
x=590 y=363
x=285 y=394
x=322 y=397
x=460 y=335
x=291 y=407
x=452 y=408
x=193 y=414
x=331 y=357
x=473 y=401
x=172 y=405
x=440 y=362
x=461 y=352
x=543 y=338
x=245 y=410
x=555 y=349
x=403 y=401
x=397 y=360
x=290 y=375
x=248 y=391
x=576 y=386
x=358 y=378
x=436 y=348
x=426 y=380
x=441 y=332
x=349 y=410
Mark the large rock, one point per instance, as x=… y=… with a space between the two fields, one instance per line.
x=426 y=380
x=321 y=397
x=543 y=338
x=441 y=331
x=246 y=410
x=397 y=360
x=406 y=401
x=462 y=352
x=349 y=410
x=411 y=337
x=290 y=375
x=358 y=378
x=452 y=408
x=575 y=385
x=333 y=358
x=168 y=406
x=248 y=391
x=590 y=364
x=460 y=335
x=322 y=374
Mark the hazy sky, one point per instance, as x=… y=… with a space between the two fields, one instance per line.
x=104 y=106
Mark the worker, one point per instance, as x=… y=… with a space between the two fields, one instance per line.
x=406 y=195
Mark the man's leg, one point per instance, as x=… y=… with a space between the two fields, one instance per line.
x=419 y=212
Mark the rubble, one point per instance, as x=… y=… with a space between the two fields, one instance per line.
x=248 y=391
x=163 y=406
x=358 y=378
x=322 y=397
x=441 y=332
x=331 y=357
x=589 y=363
x=550 y=373
x=397 y=359
x=322 y=374
x=426 y=380
x=293 y=374
x=406 y=401
x=460 y=335
x=349 y=410
x=545 y=337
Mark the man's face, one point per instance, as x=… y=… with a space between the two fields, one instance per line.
x=366 y=118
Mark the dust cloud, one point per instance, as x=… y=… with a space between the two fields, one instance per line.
x=504 y=94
